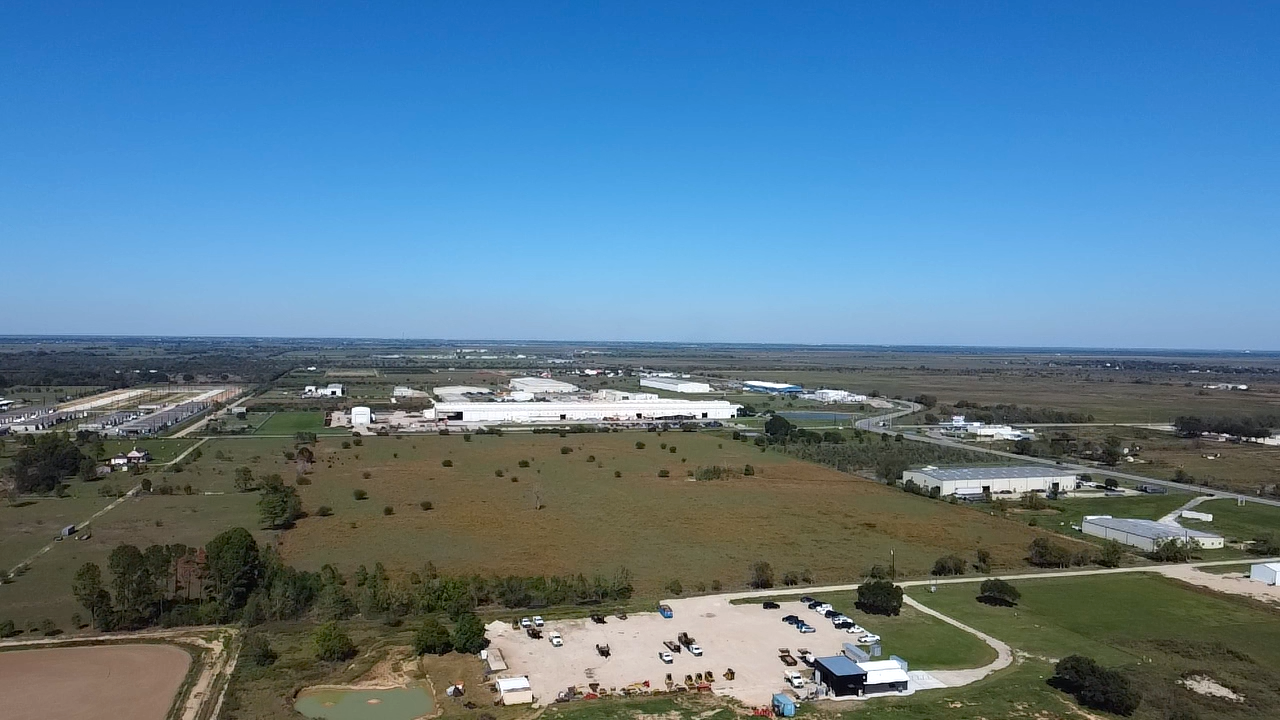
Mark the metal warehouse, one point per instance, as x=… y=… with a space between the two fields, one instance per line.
x=542 y=385
x=1146 y=534
x=993 y=480
x=586 y=411
x=843 y=677
x=772 y=388
x=672 y=384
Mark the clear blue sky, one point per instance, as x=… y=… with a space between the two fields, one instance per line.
x=1089 y=174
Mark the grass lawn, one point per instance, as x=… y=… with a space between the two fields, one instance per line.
x=925 y=641
x=161 y=449
x=34 y=521
x=1244 y=522
x=1155 y=628
x=288 y=423
x=792 y=514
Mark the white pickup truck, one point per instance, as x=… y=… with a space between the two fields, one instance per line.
x=794 y=679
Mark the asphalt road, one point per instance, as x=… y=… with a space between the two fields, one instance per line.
x=873 y=424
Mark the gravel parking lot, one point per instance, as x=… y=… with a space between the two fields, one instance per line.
x=743 y=637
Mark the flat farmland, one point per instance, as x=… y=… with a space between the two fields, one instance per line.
x=289 y=423
x=792 y=514
x=86 y=683
x=34 y=522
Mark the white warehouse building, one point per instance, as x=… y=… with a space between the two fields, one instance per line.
x=1268 y=573
x=542 y=385
x=1146 y=534
x=675 y=384
x=361 y=415
x=992 y=480
x=584 y=411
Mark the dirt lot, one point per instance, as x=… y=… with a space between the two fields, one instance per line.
x=91 y=683
x=743 y=637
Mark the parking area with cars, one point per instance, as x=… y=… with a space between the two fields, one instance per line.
x=703 y=637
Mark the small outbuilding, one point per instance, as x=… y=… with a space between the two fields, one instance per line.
x=515 y=691
x=1268 y=573
x=843 y=677
x=784 y=705
x=361 y=415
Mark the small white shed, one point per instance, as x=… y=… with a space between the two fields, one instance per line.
x=1265 y=572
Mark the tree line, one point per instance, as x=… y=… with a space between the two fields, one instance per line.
x=1260 y=426
x=232 y=579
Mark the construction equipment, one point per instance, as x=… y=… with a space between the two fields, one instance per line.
x=669 y=681
x=688 y=681
x=710 y=676
x=598 y=618
x=534 y=633
x=729 y=674
x=698 y=678
x=672 y=646
x=784 y=654
x=685 y=639
x=603 y=650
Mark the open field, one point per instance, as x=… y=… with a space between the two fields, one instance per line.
x=1156 y=628
x=795 y=515
x=32 y=523
x=162 y=449
x=1238 y=522
x=288 y=423
x=87 y=683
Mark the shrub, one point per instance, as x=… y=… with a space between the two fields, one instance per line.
x=426 y=505
x=663 y=446
x=761 y=575
x=617 y=473
x=715 y=586
x=674 y=587
x=664 y=473
x=672 y=449
x=324 y=511
x=748 y=470
x=998 y=592
x=346 y=445
x=332 y=643
x=359 y=494
x=301 y=480
x=468 y=634
x=432 y=638
x=366 y=474
x=523 y=463
x=446 y=463
x=358 y=441
x=880 y=597
x=1044 y=553
x=565 y=449
x=639 y=445
x=388 y=510
x=466 y=437
x=591 y=458
x=257 y=650
x=790 y=577
x=948 y=565
x=1095 y=686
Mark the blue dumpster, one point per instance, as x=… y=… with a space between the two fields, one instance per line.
x=783 y=705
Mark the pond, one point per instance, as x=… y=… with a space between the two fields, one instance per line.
x=396 y=704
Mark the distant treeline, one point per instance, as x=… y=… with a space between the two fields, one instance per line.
x=233 y=580
x=1248 y=427
x=1003 y=414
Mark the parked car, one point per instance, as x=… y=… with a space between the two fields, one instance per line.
x=666 y=657
x=807 y=628
x=806 y=599
x=839 y=624
x=770 y=605
x=823 y=609
x=526 y=623
x=856 y=629
x=869 y=639
x=695 y=649
x=831 y=614
x=537 y=621
x=556 y=640
x=813 y=604
x=790 y=618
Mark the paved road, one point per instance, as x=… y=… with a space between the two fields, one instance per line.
x=873 y=424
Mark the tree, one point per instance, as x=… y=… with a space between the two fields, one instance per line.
x=41 y=465
x=257 y=650
x=468 y=634
x=1267 y=545
x=880 y=597
x=761 y=575
x=1111 y=555
x=998 y=592
x=1174 y=550
x=1094 y=686
x=1044 y=553
x=948 y=565
x=432 y=638
x=279 y=504
x=983 y=565
x=674 y=587
x=133 y=585
x=88 y=590
x=244 y=479
x=778 y=427
x=332 y=643
x=233 y=566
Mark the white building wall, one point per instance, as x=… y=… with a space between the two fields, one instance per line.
x=675 y=385
x=997 y=485
x=553 y=412
x=1268 y=573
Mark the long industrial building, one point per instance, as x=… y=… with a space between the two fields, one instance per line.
x=673 y=384
x=542 y=386
x=1146 y=534
x=992 y=480
x=584 y=411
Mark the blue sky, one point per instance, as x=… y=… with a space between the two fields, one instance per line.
x=1066 y=174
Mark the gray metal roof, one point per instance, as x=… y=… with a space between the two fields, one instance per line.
x=995 y=473
x=1149 y=528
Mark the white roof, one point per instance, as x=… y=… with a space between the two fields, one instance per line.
x=883 y=671
x=461 y=390
x=1149 y=528
x=1270 y=566
x=515 y=684
x=768 y=384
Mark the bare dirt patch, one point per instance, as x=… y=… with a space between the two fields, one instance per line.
x=1205 y=685
x=91 y=683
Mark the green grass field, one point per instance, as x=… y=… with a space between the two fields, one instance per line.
x=162 y=449
x=288 y=423
x=1157 y=629
x=1244 y=522
x=925 y=641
